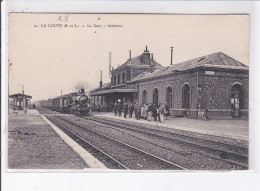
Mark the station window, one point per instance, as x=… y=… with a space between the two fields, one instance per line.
x=186 y=96
x=118 y=79
x=169 y=96
x=144 y=97
x=236 y=100
x=114 y=79
x=155 y=96
x=123 y=78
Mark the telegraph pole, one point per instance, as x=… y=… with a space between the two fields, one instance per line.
x=24 y=103
x=110 y=64
x=171 y=54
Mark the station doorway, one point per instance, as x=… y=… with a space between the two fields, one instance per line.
x=236 y=100
x=186 y=99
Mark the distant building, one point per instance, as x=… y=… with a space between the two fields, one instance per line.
x=19 y=100
x=216 y=85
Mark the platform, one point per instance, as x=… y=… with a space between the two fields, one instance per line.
x=232 y=128
x=33 y=144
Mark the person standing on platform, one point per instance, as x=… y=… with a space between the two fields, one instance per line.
x=120 y=107
x=145 y=108
x=126 y=109
x=115 y=108
x=141 y=111
x=161 y=112
x=135 y=110
x=155 y=112
x=131 y=110
x=149 y=112
x=167 y=110
x=138 y=111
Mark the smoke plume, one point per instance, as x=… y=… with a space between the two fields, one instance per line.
x=82 y=85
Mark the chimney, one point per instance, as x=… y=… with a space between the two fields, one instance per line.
x=171 y=54
x=82 y=90
x=152 y=56
x=146 y=49
x=146 y=57
x=100 y=83
x=129 y=54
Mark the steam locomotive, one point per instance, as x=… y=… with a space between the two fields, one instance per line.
x=77 y=103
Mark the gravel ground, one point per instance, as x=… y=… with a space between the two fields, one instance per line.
x=33 y=144
x=192 y=161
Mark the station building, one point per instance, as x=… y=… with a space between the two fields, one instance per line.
x=214 y=85
x=119 y=89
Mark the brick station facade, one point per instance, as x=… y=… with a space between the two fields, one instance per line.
x=213 y=86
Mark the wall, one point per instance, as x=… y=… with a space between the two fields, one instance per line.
x=215 y=91
x=176 y=82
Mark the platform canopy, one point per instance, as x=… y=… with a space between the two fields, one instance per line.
x=118 y=90
x=20 y=96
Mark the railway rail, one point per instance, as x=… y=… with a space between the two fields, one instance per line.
x=224 y=153
x=227 y=152
x=129 y=157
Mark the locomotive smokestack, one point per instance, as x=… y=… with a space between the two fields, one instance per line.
x=82 y=90
x=171 y=54
x=100 y=83
x=129 y=54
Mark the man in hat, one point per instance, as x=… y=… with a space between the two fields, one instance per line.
x=161 y=112
x=125 y=109
x=120 y=107
x=131 y=110
x=155 y=112
x=115 y=108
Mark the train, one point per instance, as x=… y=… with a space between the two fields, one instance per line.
x=77 y=103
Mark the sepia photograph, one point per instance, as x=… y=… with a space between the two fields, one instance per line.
x=122 y=92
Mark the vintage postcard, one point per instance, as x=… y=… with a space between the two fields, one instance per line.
x=128 y=92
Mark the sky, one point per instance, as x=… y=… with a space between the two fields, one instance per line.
x=53 y=52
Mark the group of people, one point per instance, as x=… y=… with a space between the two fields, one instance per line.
x=143 y=111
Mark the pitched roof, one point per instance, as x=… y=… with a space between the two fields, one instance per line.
x=137 y=61
x=215 y=60
x=104 y=86
x=20 y=95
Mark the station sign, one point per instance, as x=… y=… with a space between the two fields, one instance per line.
x=210 y=72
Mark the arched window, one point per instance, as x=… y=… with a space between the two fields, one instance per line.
x=114 y=79
x=118 y=79
x=123 y=78
x=186 y=96
x=155 y=96
x=236 y=100
x=169 y=96
x=144 y=97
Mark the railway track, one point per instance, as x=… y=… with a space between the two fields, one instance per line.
x=138 y=132
x=227 y=152
x=117 y=153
